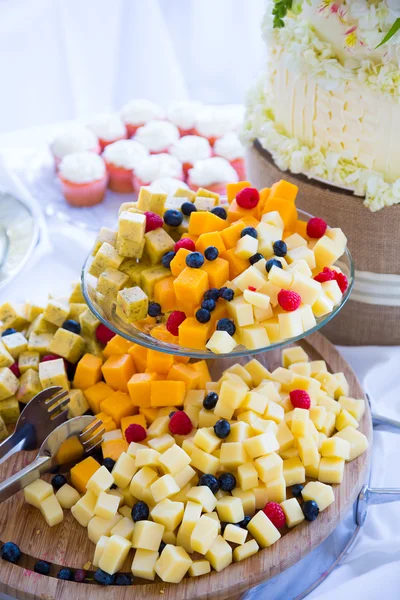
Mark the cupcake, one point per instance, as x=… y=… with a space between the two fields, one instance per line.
x=109 y=129
x=121 y=159
x=76 y=139
x=154 y=167
x=169 y=185
x=212 y=174
x=157 y=136
x=230 y=147
x=137 y=113
x=83 y=178
x=183 y=115
x=189 y=149
x=214 y=122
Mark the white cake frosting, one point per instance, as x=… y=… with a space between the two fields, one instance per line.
x=125 y=153
x=140 y=111
x=82 y=167
x=76 y=139
x=216 y=121
x=183 y=114
x=169 y=185
x=190 y=148
x=157 y=135
x=158 y=165
x=229 y=146
x=212 y=170
x=108 y=127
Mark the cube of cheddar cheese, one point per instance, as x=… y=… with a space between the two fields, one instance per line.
x=82 y=472
x=167 y=393
x=88 y=371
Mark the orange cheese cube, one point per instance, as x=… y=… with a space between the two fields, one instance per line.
x=236 y=212
x=167 y=393
x=264 y=195
x=203 y=222
x=108 y=422
x=139 y=357
x=250 y=221
x=133 y=420
x=70 y=450
x=117 y=345
x=118 y=405
x=232 y=189
x=88 y=371
x=178 y=263
x=156 y=376
x=117 y=370
x=150 y=414
x=189 y=236
x=236 y=265
x=186 y=373
x=301 y=228
x=182 y=359
x=286 y=208
x=217 y=271
x=139 y=388
x=231 y=235
x=159 y=362
x=114 y=448
x=160 y=332
x=82 y=472
x=193 y=334
x=212 y=238
x=164 y=293
x=190 y=287
x=96 y=394
x=284 y=189
x=201 y=367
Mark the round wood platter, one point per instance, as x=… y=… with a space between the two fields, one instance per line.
x=68 y=545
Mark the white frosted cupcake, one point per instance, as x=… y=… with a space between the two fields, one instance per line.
x=157 y=136
x=109 y=128
x=169 y=185
x=230 y=148
x=183 y=115
x=214 y=122
x=212 y=174
x=121 y=159
x=189 y=149
x=154 y=167
x=83 y=178
x=76 y=139
x=137 y=113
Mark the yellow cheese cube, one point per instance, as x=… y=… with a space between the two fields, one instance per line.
x=245 y=551
x=254 y=336
x=147 y=457
x=335 y=447
x=174 y=459
x=293 y=513
x=355 y=407
x=247 y=476
x=260 y=495
x=183 y=477
x=168 y=513
x=293 y=471
x=140 y=484
x=246 y=246
x=274 y=412
x=247 y=499
x=100 y=481
x=239 y=370
x=173 y=564
x=327 y=251
x=97 y=527
x=343 y=388
x=83 y=510
x=37 y=491
x=358 y=441
x=15 y=343
x=261 y=444
x=308 y=288
x=301 y=368
x=221 y=343
x=269 y=467
x=276 y=489
x=235 y=534
x=233 y=454
x=230 y=509
x=206 y=439
x=345 y=419
x=147 y=535
x=251 y=277
x=101 y=544
x=204 y=534
x=240 y=431
x=114 y=554
x=284 y=436
x=51 y=510
x=67 y=344
x=220 y=554
x=321 y=493
x=124 y=527
x=56 y=312
x=331 y=470
x=143 y=564
x=6 y=360
x=300 y=420
x=199 y=567
x=30 y=385
x=164 y=487
x=203 y=496
x=308 y=450
x=257 y=371
x=67 y=496
x=207 y=418
x=123 y=471
x=263 y=531
x=318 y=416
x=241 y=312
x=106 y=506
x=290 y=324
x=162 y=443
x=8 y=383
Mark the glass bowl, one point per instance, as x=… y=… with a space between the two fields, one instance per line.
x=140 y=334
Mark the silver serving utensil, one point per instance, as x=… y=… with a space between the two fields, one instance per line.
x=40 y=416
x=64 y=447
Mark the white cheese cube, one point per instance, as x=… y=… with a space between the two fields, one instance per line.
x=293 y=513
x=321 y=493
x=263 y=531
x=114 y=554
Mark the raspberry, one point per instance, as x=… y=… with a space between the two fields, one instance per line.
x=248 y=198
x=275 y=514
x=326 y=275
x=252 y=288
x=341 y=280
x=289 y=301
x=180 y=424
x=15 y=369
x=174 y=320
x=79 y=575
x=316 y=227
x=135 y=433
x=300 y=399
x=186 y=243
x=103 y=334
x=153 y=221
x=48 y=357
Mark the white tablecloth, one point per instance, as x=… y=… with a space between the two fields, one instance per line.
x=372 y=570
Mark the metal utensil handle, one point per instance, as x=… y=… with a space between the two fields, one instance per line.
x=369 y=496
x=30 y=473
x=21 y=439
x=381 y=420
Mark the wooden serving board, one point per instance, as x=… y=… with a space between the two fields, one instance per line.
x=68 y=545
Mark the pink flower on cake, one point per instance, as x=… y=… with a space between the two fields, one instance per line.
x=351 y=37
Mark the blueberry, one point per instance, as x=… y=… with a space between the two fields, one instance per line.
x=210 y=400
x=166 y=259
x=8 y=331
x=171 y=414
x=109 y=463
x=161 y=547
x=227 y=482
x=173 y=217
x=65 y=574
x=226 y=294
x=210 y=481
x=212 y=294
x=220 y=212
x=203 y=315
x=297 y=489
x=226 y=325
x=208 y=305
x=255 y=258
x=154 y=309
x=123 y=579
x=71 y=368
x=140 y=511
x=42 y=567
x=195 y=260
x=272 y=262
x=80 y=575
x=10 y=552
x=280 y=248
x=58 y=481
x=71 y=325
x=249 y=231
x=310 y=510
x=103 y=578
x=187 y=208
x=211 y=253
x=243 y=524
x=222 y=429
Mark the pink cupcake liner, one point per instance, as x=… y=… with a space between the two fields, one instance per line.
x=183 y=132
x=218 y=188
x=211 y=138
x=120 y=179
x=240 y=167
x=84 y=194
x=104 y=143
x=58 y=160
